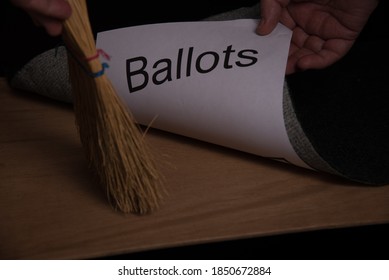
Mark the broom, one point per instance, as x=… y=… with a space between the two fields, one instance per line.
x=113 y=143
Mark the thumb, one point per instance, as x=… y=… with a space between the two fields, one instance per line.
x=270 y=15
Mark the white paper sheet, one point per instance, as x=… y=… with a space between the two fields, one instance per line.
x=218 y=82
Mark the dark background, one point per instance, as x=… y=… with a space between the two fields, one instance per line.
x=364 y=242
x=356 y=243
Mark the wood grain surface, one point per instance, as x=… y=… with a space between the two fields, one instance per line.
x=51 y=206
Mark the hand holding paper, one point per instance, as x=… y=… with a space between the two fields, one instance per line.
x=323 y=31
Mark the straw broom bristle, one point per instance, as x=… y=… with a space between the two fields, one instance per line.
x=113 y=142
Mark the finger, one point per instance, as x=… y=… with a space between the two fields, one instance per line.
x=304 y=45
x=290 y=67
x=59 y=9
x=52 y=26
x=331 y=52
x=296 y=49
x=316 y=61
x=271 y=11
x=301 y=59
x=295 y=54
x=292 y=60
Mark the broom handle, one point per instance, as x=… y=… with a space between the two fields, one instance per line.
x=79 y=39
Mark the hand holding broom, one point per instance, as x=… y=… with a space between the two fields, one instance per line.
x=113 y=142
x=48 y=14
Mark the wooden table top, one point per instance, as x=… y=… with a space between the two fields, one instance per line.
x=52 y=208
